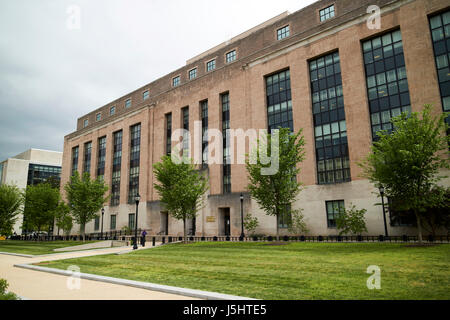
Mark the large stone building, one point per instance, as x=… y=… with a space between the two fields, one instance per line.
x=30 y=168
x=329 y=69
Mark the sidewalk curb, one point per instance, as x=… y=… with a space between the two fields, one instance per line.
x=57 y=254
x=17 y=254
x=139 y=284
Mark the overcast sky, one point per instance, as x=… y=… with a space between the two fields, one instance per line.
x=52 y=74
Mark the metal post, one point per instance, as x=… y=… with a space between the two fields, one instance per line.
x=384 y=211
x=101 y=234
x=137 y=198
x=242 y=216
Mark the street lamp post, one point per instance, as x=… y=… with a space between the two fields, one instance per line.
x=384 y=212
x=101 y=234
x=242 y=216
x=136 y=198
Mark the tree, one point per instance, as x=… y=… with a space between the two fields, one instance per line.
x=351 y=221
x=250 y=223
x=41 y=201
x=85 y=197
x=181 y=188
x=298 y=225
x=11 y=200
x=6 y=295
x=63 y=218
x=275 y=192
x=437 y=216
x=407 y=162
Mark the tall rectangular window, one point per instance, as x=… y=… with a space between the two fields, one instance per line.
x=97 y=223
x=326 y=13
x=387 y=84
x=145 y=95
x=333 y=208
x=135 y=151
x=283 y=33
x=101 y=158
x=329 y=120
x=168 y=134
x=211 y=65
x=75 y=151
x=131 y=220
x=226 y=183
x=204 y=114
x=113 y=223
x=440 y=32
x=85 y=123
x=231 y=56
x=279 y=101
x=112 y=111
x=128 y=103
x=87 y=157
x=185 y=115
x=116 y=168
x=98 y=117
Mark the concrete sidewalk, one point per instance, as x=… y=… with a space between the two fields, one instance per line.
x=46 y=286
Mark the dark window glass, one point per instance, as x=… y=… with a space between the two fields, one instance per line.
x=231 y=56
x=333 y=208
x=387 y=84
x=326 y=13
x=135 y=151
x=283 y=33
x=204 y=115
x=440 y=32
x=112 y=226
x=185 y=115
x=97 y=223
x=211 y=65
x=168 y=134
x=75 y=151
x=226 y=170
x=279 y=103
x=131 y=221
x=330 y=127
x=41 y=173
x=116 y=172
x=87 y=157
x=101 y=157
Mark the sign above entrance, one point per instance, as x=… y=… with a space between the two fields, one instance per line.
x=210 y=219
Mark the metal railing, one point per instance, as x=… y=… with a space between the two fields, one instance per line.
x=129 y=236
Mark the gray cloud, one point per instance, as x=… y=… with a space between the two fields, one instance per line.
x=50 y=75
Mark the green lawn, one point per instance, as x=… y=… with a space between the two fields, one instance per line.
x=293 y=271
x=36 y=248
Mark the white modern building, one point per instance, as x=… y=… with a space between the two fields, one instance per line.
x=29 y=168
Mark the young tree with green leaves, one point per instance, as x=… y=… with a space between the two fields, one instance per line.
x=351 y=221
x=11 y=200
x=41 y=201
x=181 y=188
x=63 y=219
x=250 y=223
x=275 y=192
x=86 y=197
x=297 y=224
x=407 y=162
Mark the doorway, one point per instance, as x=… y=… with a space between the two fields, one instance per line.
x=164 y=223
x=225 y=225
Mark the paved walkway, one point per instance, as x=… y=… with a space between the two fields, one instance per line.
x=46 y=286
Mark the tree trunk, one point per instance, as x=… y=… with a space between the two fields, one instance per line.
x=419 y=226
x=278 y=229
x=82 y=233
x=184 y=230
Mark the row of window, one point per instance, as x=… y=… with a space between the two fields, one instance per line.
x=135 y=142
x=230 y=56
x=387 y=92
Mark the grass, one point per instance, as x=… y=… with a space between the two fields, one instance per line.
x=36 y=248
x=294 y=271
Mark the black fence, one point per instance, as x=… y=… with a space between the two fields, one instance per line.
x=127 y=236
